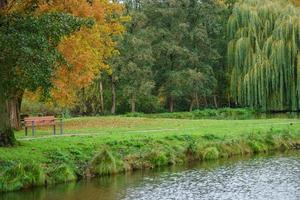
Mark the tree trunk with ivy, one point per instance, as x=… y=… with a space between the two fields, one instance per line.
x=14 y=108
x=7 y=137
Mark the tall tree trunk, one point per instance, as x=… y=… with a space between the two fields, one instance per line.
x=197 y=101
x=191 y=105
x=14 y=113
x=205 y=101
x=229 y=102
x=83 y=108
x=113 y=96
x=7 y=137
x=14 y=107
x=101 y=96
x=215 y=101
x=133 y=103
x=171 y=104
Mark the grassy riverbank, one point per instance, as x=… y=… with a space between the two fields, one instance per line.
x=97 y=146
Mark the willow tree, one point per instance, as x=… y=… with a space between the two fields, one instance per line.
x=264 y=54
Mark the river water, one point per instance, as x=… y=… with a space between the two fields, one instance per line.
x=273 y=177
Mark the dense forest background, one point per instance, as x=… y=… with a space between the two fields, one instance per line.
x=173 y=55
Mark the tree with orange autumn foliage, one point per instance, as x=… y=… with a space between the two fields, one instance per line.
x=29 y=57
x=86 y=51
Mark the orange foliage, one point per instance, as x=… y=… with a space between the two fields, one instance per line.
x=83 y=50
x=80 y=8
x=87 y=50
x=296 y=2
x=16 y=6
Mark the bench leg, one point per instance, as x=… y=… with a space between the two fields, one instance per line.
x=54 y=130
x=32 y=128
x=26 y=131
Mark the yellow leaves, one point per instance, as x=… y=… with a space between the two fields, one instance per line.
x=296 y=2
x=15 y=6
x=83 y=51
x=100 y=10
x=88 y=50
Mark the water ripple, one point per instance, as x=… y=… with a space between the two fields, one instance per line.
x=258 y=179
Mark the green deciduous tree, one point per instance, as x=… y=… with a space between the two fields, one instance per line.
x=197 y=85
x=172 y=56
x=180 y=41
x=28 y=57
x=133 y=66
x=164 y=42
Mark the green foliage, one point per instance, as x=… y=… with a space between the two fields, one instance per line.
x=257 y=146
x=103 y=163
x=61 y=173
x=36 y=108
x=158 y=158
x=132 y=68
x=210 y=137
x=161 y=62
x=180 y=42
x=20 y=176
x=223 y=113
x=210 y=153
x=28 y=55
x=135 y=114
x=263 y=54
x=191 y=148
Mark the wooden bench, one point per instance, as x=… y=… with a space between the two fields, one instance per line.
x=41 y=121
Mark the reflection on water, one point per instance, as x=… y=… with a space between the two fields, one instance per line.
x=273 y=177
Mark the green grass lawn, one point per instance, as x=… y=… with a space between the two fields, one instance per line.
x=128 y=126
x=106 y=145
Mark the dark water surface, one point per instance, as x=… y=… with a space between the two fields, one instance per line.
x=275 y=177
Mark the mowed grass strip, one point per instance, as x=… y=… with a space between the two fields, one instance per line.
x=161 y=126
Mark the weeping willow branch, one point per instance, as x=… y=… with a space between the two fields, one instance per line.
x=264 y=54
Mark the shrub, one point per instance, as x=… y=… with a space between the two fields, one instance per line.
x=258 y=146
x=21 y=176
x=103 y=163
x=210 y=153
x=135 y=114
x=61 y=173
x=158 y=158
x=222 y=113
